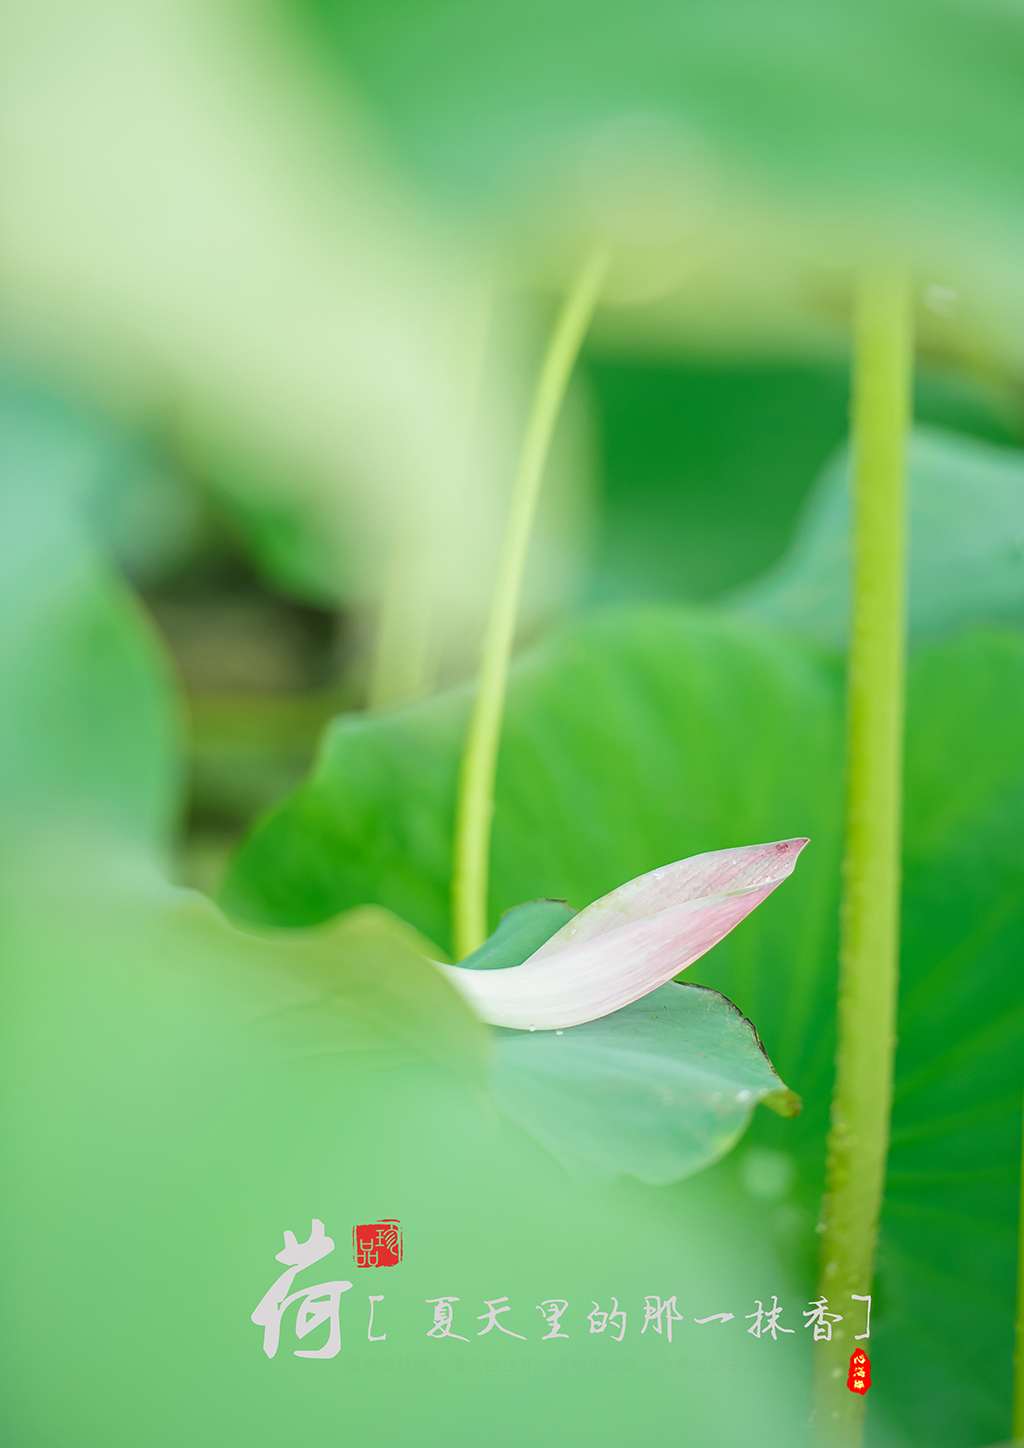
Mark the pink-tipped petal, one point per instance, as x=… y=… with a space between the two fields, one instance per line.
x=629 y=942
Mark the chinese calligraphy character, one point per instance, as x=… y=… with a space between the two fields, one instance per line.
x=859 y=1336
x=552 y=1312
x=320 y=1303
x=443 y=1318
x=767 y=1321
x=378 y=1244
x=370 y=1336
x=717 y=1317
x=492 y=1314
x=821 y=1319
x=657 y=1313
x=599 y=1320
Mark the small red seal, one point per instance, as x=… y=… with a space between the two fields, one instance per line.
x=378 y=1244
x=859 y=1377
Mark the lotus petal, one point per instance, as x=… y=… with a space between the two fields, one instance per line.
x=630 y=942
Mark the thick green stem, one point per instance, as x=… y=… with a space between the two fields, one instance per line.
x=1018 y=1354
x=869 y=936
x=475 y=806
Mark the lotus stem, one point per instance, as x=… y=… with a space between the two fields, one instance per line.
x=475 y=803
x=870 y=915
x=1018 y=1352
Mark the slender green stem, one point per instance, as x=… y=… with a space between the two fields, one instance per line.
x=1018 y=1354
x=475 y=806
x=869 y=933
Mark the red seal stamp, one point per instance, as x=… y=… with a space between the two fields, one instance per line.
x=378 y=1244
x=859 y=1377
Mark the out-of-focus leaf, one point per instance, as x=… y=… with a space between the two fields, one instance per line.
x=706 y=465
x=659 y=1089
x=479 y=92
x=204 y=232
x=89 y=726
x=365 y=977
x=734 y=150
x=177 y=1093
x=966 y=544
x=145 y=515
